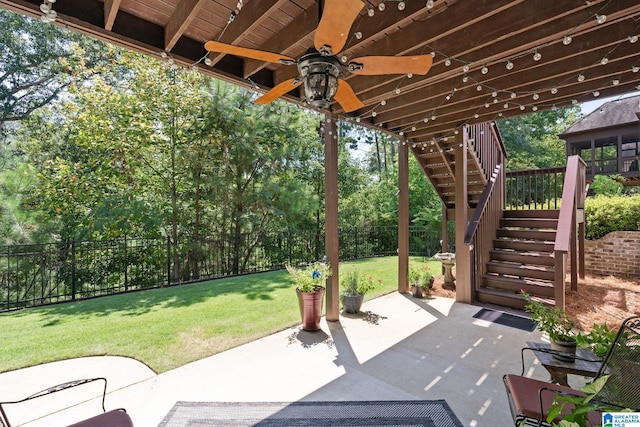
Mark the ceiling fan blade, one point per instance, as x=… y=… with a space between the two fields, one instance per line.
x=377 y=65
x=278 y=91
x=261 y=55
x=335 y=24
x=346 y=97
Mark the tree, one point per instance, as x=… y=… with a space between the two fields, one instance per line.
x=39 y=61
x=531 y=140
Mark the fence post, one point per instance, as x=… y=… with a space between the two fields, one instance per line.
x=73 y=269
x=356 y=237
x=168 y=260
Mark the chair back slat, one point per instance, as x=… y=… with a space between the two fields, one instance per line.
x=622 y=363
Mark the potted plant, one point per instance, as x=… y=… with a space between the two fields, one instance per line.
x=310 y=292
x=557 y=324
x=354 y=287
x=421 y=280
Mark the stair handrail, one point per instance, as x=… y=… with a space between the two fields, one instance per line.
x=482 y=206
x=573 y=196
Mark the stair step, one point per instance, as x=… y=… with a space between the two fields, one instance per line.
x=543 y=235
x=535 y=258
x=528 y=213
x=537 y=223
x=502 y=298
x=524 y=245
x=505 y=299
x=521 y=270
x=536 y=287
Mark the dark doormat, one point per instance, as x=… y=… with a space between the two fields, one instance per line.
x=506 y=319
x=412 y=413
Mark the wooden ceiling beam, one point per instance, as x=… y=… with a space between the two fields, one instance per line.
x=179 y=21
x=110 y=12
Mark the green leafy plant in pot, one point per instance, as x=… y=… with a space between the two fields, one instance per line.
x=354 y=286
x=557 y=324
x=310 y=290
x=420 y=280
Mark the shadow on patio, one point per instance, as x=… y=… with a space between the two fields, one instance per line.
x=399 y=348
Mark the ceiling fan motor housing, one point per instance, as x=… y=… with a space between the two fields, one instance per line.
x=320 y=76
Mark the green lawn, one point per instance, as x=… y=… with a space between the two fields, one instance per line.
x=169 y=327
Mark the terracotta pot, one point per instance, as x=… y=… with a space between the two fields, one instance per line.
x=352 y=303
x=566 y=349
x=311 y=308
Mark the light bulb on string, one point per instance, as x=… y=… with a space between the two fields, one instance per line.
x=534 y=108
x=615 y=82
x=381 y=6
x=633 y=39
x=535 y=96
x=447 y=62
x=484 y=70
x=537 y=56
x=635 y=69
x=601 y=19
x=604 y=61
x=596 y=93
x=465 y=68
x=554 y=90
x=430 y=4
x=401 y=5
x=567 y=40
x=371 y=12
x=509 y=65
x=581 y=78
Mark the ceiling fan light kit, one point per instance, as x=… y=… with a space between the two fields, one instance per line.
x=320 y=76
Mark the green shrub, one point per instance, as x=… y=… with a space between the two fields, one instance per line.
x=607 y=185
x=605 y=214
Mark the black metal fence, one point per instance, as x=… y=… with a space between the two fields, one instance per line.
x=39 y=274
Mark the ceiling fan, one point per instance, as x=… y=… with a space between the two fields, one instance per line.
x=320 y=69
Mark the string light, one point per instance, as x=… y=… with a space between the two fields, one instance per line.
x=401 y=5
x=381 y=6
x=371 y=12
x=537 y=56
x=581 y=78
x=633 y=39
x=567 y=40
x=554 y=90
x=601 y=19
x=596 y=93
x=447 y=62
x=509 y=65
x=430 y=4
x=604 y=61
x=48 y=14
x=484 y=70
x=465 y=68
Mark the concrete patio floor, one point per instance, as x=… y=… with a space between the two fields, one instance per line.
x=399 y=348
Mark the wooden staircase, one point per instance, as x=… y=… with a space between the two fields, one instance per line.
x=522 y=259
x=506 y=251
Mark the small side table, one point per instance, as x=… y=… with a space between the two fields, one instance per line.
x=586 y=364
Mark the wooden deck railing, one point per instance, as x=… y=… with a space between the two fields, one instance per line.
x=482 y=227
x=571 y=217
x=486 y=146
x=534 y=189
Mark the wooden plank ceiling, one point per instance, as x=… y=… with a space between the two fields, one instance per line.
x=492 y=58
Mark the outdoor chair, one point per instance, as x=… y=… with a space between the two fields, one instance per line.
x=530 y=399
x=113 y=418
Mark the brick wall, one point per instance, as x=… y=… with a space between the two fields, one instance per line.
x=616 y=254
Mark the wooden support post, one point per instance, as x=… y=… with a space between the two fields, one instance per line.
x=444 y=234
x=561 y=268
x=574 y=253
x=403 y=218
x=464 y=291
x=331 y=215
